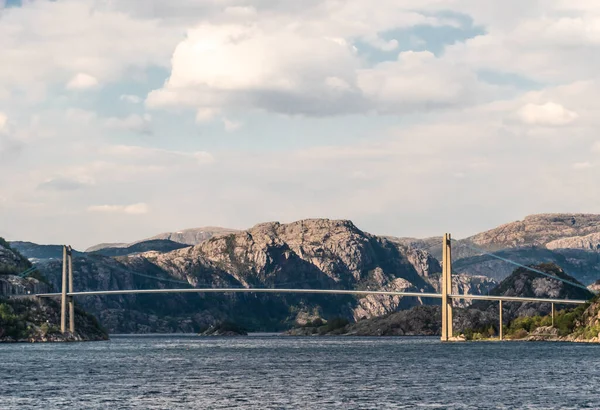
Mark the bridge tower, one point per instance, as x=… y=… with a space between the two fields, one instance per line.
x=447 y=333
x=67 y=268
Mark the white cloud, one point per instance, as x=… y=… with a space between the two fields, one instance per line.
x=133 y=209
x=582 y=165
x=548 y=114
x=266 y=67
x=205 y=115
x=3 y=122
x=156 y=156
x=82 y=81
x=133 y=122
x=80 y=115
x=418 y=81
x=133 y=99
x=47 y=42
x=230 y=125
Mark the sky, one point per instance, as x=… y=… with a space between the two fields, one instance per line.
x=121 y=119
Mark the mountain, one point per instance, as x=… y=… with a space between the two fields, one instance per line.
x=525 y=283
x=195 y=236
x=35 y=251
x=479 y=317
x=192 y=236
x=568 y=240
x=537 y=230
x=158 y=245
x=11 y=261
x=316 y=253
x=107 y=245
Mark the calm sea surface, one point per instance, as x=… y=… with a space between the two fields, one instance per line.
x=274 y=372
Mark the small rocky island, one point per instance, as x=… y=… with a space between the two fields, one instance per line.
x=224 y=329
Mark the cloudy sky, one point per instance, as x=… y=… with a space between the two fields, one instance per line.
x=120 y=119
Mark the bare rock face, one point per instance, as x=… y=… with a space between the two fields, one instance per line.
x=589 y=242
x=538 y=230
x=194 y=236
x=317 y=253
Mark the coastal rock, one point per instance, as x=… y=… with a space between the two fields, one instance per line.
x=38 y=320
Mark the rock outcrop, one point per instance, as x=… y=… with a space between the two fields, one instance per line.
x=537 y=230
x=568 y=240
x=589 y=242
x=315 y=253
x=38 y=320
x=11 y=261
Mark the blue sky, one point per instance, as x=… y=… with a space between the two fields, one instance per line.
x=120 y=120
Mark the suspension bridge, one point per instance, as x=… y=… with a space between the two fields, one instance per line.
x=67 y=294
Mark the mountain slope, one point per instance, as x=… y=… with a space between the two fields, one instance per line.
x=158 y=245
x=568 y=240
x=305 y=254
x=193 y=236
x=525 y=283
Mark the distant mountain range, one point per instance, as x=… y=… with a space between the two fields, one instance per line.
x=309 y=253
x=192 y=236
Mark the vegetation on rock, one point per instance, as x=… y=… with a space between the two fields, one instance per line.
x=38 y=320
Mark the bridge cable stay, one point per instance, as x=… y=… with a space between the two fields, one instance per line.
x=529 y=268
x=27 y=272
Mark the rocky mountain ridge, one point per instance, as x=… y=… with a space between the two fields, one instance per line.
x=192 y=236
x=316 y=253
x=312 y=253
x=480 y=316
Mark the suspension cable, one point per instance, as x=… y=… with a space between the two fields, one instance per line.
x=529 y=268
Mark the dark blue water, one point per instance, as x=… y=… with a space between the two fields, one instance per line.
x=261 y=372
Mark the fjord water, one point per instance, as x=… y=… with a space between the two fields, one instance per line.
x=275 y=372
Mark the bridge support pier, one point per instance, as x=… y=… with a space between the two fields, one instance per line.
x=447 y=331
x=71 y=302
x=552 y=314
x=501 y=328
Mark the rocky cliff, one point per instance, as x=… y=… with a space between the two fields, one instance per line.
x=317 y=253
x=568 y=240
x=537 y=230
x=480 y=317
x=11 y=261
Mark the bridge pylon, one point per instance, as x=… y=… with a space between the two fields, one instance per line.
x=67 y=270
x=446 y=285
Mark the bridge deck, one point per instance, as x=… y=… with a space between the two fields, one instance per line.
x=315 y=291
